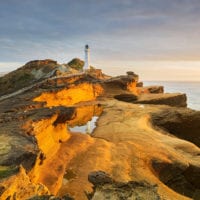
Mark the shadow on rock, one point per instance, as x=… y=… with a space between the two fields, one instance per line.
x=107 y=188
x=183 y=123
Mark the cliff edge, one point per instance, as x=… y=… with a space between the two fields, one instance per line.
x=85 y=135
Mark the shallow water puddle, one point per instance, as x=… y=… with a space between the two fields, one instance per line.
x=85 y=118
x=86 y=128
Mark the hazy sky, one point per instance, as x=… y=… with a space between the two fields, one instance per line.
x=159 y=39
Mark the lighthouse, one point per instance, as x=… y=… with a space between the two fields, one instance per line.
x=87 y=58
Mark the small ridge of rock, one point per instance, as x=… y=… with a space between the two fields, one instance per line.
x=99 y=178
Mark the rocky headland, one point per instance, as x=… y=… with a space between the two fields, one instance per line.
x=145 y=143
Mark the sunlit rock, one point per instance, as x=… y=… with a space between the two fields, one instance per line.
x=71 y=96
x=150 y=151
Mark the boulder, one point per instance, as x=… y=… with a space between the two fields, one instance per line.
x=150 y=89
x=99 y=178
x=130 y=73
x=119 y=84
x=139 y=84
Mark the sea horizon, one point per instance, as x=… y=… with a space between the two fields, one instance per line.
x=122 y=73
x=190 y=88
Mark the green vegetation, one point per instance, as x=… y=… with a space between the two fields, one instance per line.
x=76 y=63
x=6 y=171
x=24 y=75
x=27 y=74
x=15 y=80
x=23 y=78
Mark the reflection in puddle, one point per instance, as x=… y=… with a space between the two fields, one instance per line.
x=84 y=119
x=87 y=128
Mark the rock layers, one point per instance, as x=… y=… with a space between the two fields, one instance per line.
x=176 y=99
x=145 y=144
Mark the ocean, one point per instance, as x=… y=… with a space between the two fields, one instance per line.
x=192 y=90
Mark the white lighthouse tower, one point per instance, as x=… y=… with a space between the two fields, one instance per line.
x=87 y=58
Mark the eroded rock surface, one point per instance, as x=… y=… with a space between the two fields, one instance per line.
x=145 y=150
x=20 y=187
x=183 y=123
x=176 y=99
x=106 y=188
x=150 y=89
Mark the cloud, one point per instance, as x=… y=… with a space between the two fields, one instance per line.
x=8 y=66
x=125 y=30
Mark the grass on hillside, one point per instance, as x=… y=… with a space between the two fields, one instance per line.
x=76 y=64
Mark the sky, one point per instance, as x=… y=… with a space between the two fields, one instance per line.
x=158 y=39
